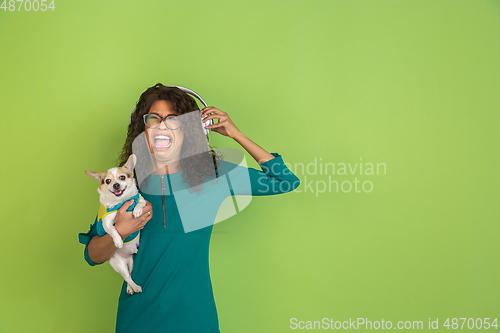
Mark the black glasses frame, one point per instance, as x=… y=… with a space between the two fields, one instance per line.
x=162 y=119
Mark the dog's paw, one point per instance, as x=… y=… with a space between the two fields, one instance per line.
x=132 y=289
x=137 y=212
x=118 y=243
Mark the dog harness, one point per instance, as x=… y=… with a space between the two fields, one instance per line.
x=103 y=211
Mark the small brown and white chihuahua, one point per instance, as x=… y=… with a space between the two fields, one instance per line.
x=116 y=186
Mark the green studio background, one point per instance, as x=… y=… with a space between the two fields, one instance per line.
x=408 y=86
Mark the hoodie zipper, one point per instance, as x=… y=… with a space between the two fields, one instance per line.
x=163 y=201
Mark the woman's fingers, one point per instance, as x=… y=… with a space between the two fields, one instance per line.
x=126 y=205
x=219 y=124
x=224 y=126
x=214 y=113
x=122 y=214
x=211 y=109
x=147 y=208
x=147 y=214
x=144 y=220
x=215 y=116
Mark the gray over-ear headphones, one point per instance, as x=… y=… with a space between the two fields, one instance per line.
x=189 y=91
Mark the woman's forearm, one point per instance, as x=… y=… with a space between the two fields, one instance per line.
x=257 y=152
x=101 y=248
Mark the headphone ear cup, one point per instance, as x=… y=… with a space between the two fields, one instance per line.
x=205 y=124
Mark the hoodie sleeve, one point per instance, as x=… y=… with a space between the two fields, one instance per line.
x=274 y=178
x=84 y=238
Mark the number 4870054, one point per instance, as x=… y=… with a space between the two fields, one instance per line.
x=34 y=5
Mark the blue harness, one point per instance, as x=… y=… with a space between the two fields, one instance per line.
x=103 y=211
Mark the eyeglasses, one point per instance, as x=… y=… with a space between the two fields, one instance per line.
x=152 y=120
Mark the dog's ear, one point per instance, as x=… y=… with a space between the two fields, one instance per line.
x=95 y=175
x=132 y=159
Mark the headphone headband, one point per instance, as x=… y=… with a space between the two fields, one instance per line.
x=187 y=91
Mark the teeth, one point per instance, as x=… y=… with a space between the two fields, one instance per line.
x=163 y=137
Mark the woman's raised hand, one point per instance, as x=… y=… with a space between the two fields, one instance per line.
x=126 y=224
x=225 y=126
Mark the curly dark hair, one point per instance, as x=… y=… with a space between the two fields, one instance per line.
x=195 y=166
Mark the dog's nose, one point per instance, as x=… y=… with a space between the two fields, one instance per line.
x=116 y=186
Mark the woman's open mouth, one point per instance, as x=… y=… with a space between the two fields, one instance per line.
x=162 y=142
x=120 y=192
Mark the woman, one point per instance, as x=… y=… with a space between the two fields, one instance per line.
x=172 y=264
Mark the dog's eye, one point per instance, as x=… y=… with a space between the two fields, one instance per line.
x=108 y=181
x=122 y=177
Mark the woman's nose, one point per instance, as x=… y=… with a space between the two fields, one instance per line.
x=162 y=126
